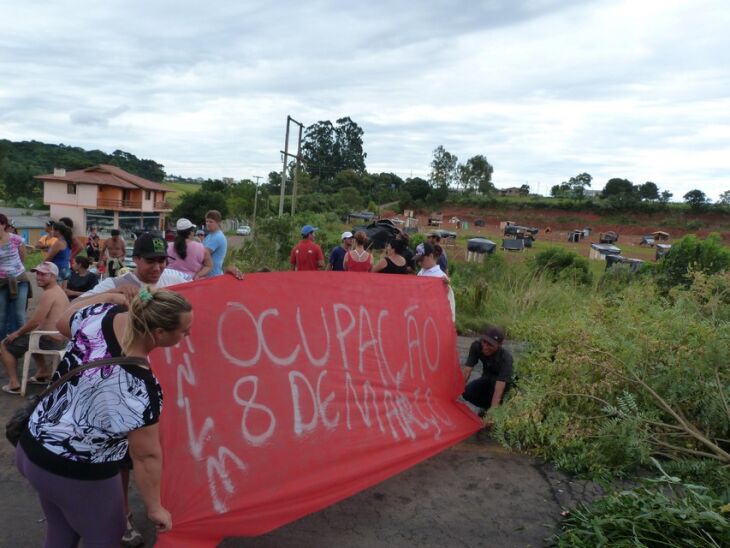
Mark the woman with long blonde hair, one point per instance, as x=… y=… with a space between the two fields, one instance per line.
x=79 y=435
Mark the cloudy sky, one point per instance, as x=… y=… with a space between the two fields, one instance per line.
x=545 y=89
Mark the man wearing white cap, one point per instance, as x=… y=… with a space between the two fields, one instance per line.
x=50 y=306
x=337 y=255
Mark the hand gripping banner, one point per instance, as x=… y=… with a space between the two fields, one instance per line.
x=298 y=389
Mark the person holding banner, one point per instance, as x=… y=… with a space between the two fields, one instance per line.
x=487 y=392
x=431 y=269
x=215 y=241
x=76 y=437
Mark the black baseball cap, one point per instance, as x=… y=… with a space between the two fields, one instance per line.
x=493 y=335
x=148 y=246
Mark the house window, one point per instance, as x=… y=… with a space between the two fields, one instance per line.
x=70 y=188
x=147 y=195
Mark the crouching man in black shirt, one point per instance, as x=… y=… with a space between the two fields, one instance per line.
x=488 y=391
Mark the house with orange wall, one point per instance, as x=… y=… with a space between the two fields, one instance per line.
x=105 y=197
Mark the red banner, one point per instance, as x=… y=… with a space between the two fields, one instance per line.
x=298 y=389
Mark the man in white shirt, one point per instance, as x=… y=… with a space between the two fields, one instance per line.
x=150 y=257
x=431 y=269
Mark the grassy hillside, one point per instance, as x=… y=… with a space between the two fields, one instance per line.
x=178 y=189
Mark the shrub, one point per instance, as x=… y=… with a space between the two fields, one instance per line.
x=662 y=512
x=609 y=382
x=615 y=279
x=691 y=254
x=694 y=224
x=415 y=239
x=562 y=264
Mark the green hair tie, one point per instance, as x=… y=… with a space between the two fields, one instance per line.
x=145 y=295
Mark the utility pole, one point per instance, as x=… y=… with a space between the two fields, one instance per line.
x=296 y=170
x=283 y=171
x=286 y=154
x=255 y=201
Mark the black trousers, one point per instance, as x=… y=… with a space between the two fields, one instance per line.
x=480 y=392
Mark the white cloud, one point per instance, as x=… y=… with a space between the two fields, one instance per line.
x=545 y=89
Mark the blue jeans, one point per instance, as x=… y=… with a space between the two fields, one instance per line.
x=12 y=313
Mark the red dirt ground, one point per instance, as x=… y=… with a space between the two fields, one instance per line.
x=560 y=222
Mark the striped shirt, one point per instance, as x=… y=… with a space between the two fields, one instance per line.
x=10 y=264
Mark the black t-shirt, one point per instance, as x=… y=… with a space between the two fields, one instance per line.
x=498 y=366
x=337 y=258
x=82 y=283
x=408 y=255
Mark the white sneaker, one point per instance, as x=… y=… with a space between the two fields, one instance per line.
x=131 y=537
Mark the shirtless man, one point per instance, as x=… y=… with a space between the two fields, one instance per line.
x=50 y=306
x=113 y=251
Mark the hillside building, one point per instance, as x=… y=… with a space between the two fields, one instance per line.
x=106 y=197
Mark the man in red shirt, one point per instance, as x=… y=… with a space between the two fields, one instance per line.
x=307 y=255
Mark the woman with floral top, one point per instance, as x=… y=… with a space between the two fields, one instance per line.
x=78 y=435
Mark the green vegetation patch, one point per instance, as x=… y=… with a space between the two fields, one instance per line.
x=662 y=512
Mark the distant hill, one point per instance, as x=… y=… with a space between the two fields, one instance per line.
x=20 y=161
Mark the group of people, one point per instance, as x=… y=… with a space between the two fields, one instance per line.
x=73 y=438
x=84 y=438
x=353 y=255
x=430 y=260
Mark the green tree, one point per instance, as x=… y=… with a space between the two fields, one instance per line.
x=148 y=169
x=616 y=186
x=328 y=149
x=665 y=196
x=21 y=161
x=194 y=205
x=525 y=190
x=649 y=191
x=724 y=198
x=385 y=187
x=559 y=191
x=476 y=175
x=578 y=184
x=696 y=199
x=240 y=199
x=318 y=150
x=349 y=146
x=417 y=188
x=443 y=168
x=273 y=183
x=621 y=192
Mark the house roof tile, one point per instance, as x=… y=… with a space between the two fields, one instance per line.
x=104 y=174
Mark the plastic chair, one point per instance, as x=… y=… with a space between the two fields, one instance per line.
x=34 y=348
